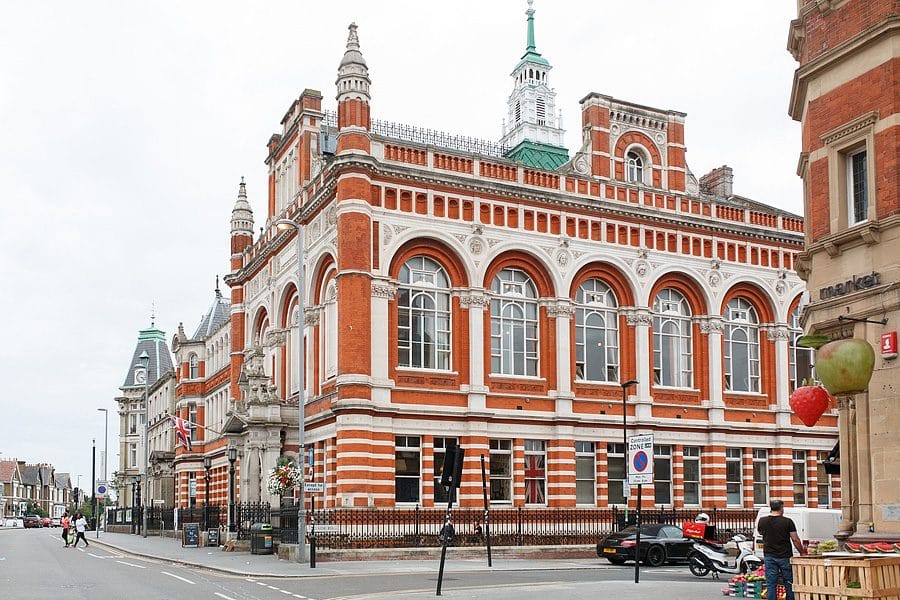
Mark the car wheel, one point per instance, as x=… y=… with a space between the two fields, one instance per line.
x=616 y=560
x=697 y=564
x=655 y=557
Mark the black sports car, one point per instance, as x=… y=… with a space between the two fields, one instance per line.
x=660 y=543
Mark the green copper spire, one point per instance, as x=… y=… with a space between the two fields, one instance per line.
x=531 y=53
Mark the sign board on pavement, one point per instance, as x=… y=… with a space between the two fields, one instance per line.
x=640 y=459
x=315 y=487
x=190 y=535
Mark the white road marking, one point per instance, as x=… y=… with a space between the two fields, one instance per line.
x=260 y=583
x=299 y=596
x=122 y=562
x=285 y=592
x=224 y=596
x=177 y=577
x=95 y=555
x=272 y=587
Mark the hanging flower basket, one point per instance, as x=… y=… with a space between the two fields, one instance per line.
x=283 y=479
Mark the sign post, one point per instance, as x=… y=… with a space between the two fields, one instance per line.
x=640 y=471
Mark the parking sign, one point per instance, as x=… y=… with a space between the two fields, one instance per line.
x=640 y=459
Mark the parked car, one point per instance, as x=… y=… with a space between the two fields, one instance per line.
x=55 y=522
x=660 y=543
x=32 y=521
x=45 y=521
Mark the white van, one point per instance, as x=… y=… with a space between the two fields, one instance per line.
x=819 y=524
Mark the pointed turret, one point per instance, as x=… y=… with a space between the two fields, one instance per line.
x=151 y=341
x=533 y=132
x=217 y=315
x=241 y=221
x=353 y=98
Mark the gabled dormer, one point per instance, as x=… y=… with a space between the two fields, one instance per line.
x=533 y=130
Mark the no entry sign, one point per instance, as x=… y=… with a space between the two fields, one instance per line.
x=640 y=459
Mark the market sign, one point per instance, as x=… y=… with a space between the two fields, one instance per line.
x=859 y=282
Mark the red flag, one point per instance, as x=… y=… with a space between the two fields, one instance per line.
x=182 y=431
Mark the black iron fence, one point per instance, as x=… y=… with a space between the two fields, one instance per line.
x=342 y=528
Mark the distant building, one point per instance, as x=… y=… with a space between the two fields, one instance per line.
x=845 y=96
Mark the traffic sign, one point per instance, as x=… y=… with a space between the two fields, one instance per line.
x=315 y=487
x=640 y=459
x=102 y=488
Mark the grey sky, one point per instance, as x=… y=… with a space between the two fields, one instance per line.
x=126 y=127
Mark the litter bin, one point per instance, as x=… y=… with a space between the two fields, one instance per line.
x=261 y=539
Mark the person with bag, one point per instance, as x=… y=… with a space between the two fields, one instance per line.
x=66 y=523
x=80 y=527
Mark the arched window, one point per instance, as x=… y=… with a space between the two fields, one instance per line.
x=800 y=358
x=541 y=112
x=193 y=367
x=330 y=330
x=291 y=349
x=596 y=332
x=672 y=340
x=514 y=324
x=634 y=167
x=423 y=324
x=741 y=347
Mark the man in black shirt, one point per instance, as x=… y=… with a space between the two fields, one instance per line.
x=778 y=532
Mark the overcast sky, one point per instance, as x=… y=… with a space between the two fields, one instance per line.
x=126 y=126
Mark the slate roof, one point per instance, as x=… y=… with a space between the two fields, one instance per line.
x=217 y=315
x=153 y=341
x=30 y=475
x=62 y=480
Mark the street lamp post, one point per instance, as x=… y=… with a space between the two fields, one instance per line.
x=145 y=363
x=625 y=387
x=232 y=456
x=105 y=458
x=207 y=465
x=301 y=384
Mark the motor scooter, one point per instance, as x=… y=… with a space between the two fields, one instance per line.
x=734 y=558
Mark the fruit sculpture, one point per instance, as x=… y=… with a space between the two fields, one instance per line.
x=845 y=366
x=809 y=402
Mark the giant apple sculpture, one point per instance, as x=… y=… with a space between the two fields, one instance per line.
x=845 y=366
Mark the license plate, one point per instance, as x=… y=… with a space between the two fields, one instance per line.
x=609 y=550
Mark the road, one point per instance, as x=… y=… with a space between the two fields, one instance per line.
x=35 y=566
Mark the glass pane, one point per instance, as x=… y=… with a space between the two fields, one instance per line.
x=584 y=492
x=691 y=493
x=407 y=489
x=500 y=466
x=584 y=467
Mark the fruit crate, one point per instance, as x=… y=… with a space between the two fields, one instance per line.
x=837 y=578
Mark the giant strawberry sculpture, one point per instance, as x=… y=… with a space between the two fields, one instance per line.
x=810 y=402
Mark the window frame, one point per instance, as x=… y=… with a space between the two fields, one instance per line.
x=760 y=456
x=193 y=366
x=750 y=328
x=840 y=144
x=515 y=321
x=439 y=449
x=535 y=486
x=585 y=460
x=662 y=453
x=688 y=456
x=823 y=480
x=601 y=302
x=501 y=449
x=635 y=170
x=797 y=355
x=857 y=184
x=798 y=458
x=415 y=353
x=616 y=451
x=734 y=456
x=403 y=445
x=682 y=339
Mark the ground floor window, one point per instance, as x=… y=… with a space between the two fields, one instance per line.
x=585 y=473
x=501 y=470
x=535 y=472
x=616 y=476
x=691 y=464
x=799 y=470
x=662 y=474
x=407 y=468
x=823 y=482
x=441 y=445
x=760 y=476
x=733 y=477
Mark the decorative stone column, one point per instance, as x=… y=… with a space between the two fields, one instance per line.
x=641 y=320
x=849 y=459
x=476 y=303
x=713 y=327
x=781 y=336
x=383 y=291
x=310 y=323
x=563 y=311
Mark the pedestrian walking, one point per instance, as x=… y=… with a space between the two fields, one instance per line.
x=80 y=527
x=66 y=523
x=778 y=533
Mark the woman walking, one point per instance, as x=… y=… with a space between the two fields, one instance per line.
x=66 y=523
x=80 y=526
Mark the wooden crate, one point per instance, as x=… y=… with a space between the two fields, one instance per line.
x=823 y=578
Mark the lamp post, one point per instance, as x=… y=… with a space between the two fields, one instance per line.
x=103 y=476
x=232 y=456
x=136 y=523
x=207 y=465
x=625 y=387
x=145 y=363
x=301 y=384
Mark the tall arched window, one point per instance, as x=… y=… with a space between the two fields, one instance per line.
x=596 y=332
x=423 y=304
x=741 y=347
x=672 y=340
x=291 y=349
x=330 y=330
x=634 y=167
x=514 y=324
x=193 y=367
x=800 y=358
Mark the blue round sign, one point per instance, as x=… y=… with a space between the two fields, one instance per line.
x=640 y=461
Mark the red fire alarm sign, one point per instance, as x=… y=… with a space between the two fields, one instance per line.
x=889 y=344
